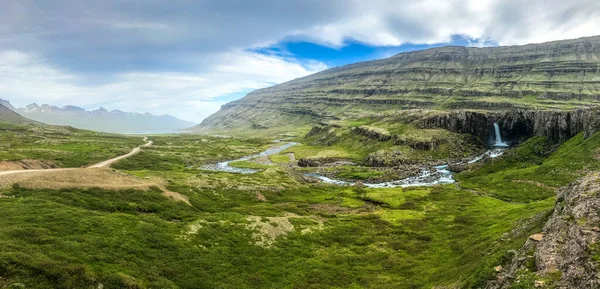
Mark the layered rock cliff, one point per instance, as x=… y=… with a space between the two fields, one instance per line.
x=566 y=254
x=556 y=75
x=557 y=125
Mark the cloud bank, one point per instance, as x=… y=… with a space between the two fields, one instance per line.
x=182 y=57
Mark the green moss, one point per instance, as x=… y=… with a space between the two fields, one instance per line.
x=280 y=159
x=357 y=173
x=527 y=173
x=384 y=238
x=417 y=145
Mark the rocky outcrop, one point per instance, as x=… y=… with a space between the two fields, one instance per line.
x=315 y=162
x=557 y=125
x=418 y=144
x=565 y=255
x=373 y=132
x=258 y=126
x=385 y=158
x=323 y=135
x=459 y=167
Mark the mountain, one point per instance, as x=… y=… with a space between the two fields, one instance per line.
x=549 y=76
x=8 y=115
x=7 y=104
x=102 y=119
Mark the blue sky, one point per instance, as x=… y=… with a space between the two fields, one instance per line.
x=187 y=58
x=354 y=51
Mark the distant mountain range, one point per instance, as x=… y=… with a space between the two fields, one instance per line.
x=99 y=120
x=7 y=114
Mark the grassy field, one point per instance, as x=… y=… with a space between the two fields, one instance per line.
x=533 y=171
x=272 y=229
x=63 y=146
x=178 y=153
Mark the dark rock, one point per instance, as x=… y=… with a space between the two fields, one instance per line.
x=557 y=126
x=258 y=126
x=566 y=246
x=372 y=132
x=324 y=135
x=315 y=162
x=457 y=168
x=387 y=159
x=422 y=145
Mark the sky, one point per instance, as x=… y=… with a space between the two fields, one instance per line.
x=187 y=58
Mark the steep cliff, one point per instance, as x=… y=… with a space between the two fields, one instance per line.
x=566 y=254
x=557 y=125
x=556 y=75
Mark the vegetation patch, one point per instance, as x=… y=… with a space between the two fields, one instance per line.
x=531 y=171
x=311 y=235
x=55 y=146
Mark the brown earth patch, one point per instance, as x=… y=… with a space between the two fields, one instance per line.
x=86 y=178
x=175 y=195
x=597 y=154
x=537 y=184
x=336 y=209
x=76 y=178
x=26 y=165
x=260 y=197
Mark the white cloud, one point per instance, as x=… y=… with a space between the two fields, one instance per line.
x=179 y=56
x=507 y=22
x=27 y=78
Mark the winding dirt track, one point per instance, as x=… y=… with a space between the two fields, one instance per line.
x=103 y=164
x=134 y=152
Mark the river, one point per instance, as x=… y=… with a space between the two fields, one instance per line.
x=441 y=174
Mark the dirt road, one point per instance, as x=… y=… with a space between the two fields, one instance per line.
x=135 y=151
x=99 y=165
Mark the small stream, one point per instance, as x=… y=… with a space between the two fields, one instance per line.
x=225 y=167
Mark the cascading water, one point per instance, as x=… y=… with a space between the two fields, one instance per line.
x=427 y=177
x=499 y=143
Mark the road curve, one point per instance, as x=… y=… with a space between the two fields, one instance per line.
x=98 y=165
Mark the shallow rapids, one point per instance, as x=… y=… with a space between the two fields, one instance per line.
x=439 y=176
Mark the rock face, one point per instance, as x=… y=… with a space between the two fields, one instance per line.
x=557 y=125
x=373 y=132
x=7 y=104
x=566 y=254
x=554 y=75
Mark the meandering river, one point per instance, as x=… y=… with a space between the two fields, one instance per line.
x=225 y=167
x=440 y=174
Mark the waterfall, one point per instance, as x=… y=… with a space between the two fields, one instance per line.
x=499 y=142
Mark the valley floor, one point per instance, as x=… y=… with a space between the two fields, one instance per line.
x=181 y=226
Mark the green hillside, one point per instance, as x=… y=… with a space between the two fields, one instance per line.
x=8 y=116
x=556 y=75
